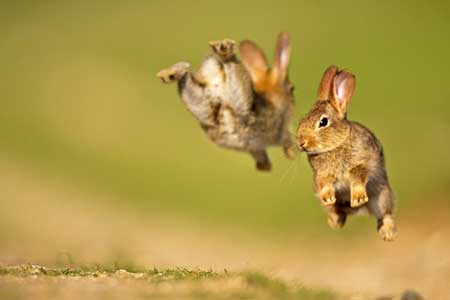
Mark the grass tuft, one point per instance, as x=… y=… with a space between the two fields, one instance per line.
x=153 y=274
x=180 y=273
x=182 y=282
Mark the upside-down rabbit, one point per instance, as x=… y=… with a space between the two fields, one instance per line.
x=243 y=106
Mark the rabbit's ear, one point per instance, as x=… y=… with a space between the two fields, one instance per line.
x=325 y=87
x=343 y=88
x=282 y=56
x=254 y=60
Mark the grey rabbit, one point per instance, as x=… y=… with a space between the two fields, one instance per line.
x=242 y=106
x=347 y=159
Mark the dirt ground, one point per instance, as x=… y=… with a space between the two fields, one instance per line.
x=45 y=221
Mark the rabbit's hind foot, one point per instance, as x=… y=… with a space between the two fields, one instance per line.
x=336 y=220
x=223 y=48
x=387 y=228
x=173 y=73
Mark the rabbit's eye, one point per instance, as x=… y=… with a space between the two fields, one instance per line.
x=323 y=122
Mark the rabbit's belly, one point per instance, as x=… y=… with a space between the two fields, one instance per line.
x=342 y=190
x=342 y=193
x=233 y=132
x=343 y=201
x=243 y=139
x=228 y=135
x=230 y=140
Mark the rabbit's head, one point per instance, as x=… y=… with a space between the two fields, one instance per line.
x=326 y=127
x=270 y=82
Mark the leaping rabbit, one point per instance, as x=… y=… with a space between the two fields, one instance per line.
x=243 y=106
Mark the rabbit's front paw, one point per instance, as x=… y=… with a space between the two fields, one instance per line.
x=223 y=48
x=327 y=196
x=290 y=152
x=388 y=229
x=173 y=73
x=358 y=196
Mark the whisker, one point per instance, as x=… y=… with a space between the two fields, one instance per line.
x=296 y=162
x=286 y=172
x=293 y=166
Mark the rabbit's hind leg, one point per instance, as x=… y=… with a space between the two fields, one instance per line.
x=262 y=160
x=336 y=217
x=382 y=206
x=238 y=88
x=387 y=228
x=224 y=49
x=174 y=73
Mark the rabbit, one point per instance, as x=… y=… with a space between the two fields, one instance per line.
x=346 y=158
x=244 y=106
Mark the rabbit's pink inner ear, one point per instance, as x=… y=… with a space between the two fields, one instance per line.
x=343 y=88
x=325 y=87
x=254 y=60
x=282 y=56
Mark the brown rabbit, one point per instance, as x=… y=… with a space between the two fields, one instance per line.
x=346 y=157
x=246 y=106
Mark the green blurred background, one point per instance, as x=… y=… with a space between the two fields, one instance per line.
x=80 y=101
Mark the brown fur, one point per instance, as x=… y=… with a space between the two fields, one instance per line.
x=246 y=106
x=346 y=157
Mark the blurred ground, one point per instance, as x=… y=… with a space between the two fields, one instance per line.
x=38 y=227
x=37 y=282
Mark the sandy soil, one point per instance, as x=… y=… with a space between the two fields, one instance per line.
x=45 y=221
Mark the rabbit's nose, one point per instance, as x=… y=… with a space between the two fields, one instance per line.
x=301 y=144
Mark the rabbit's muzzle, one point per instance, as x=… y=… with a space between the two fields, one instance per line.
x=306 y=144
x=301 y=145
